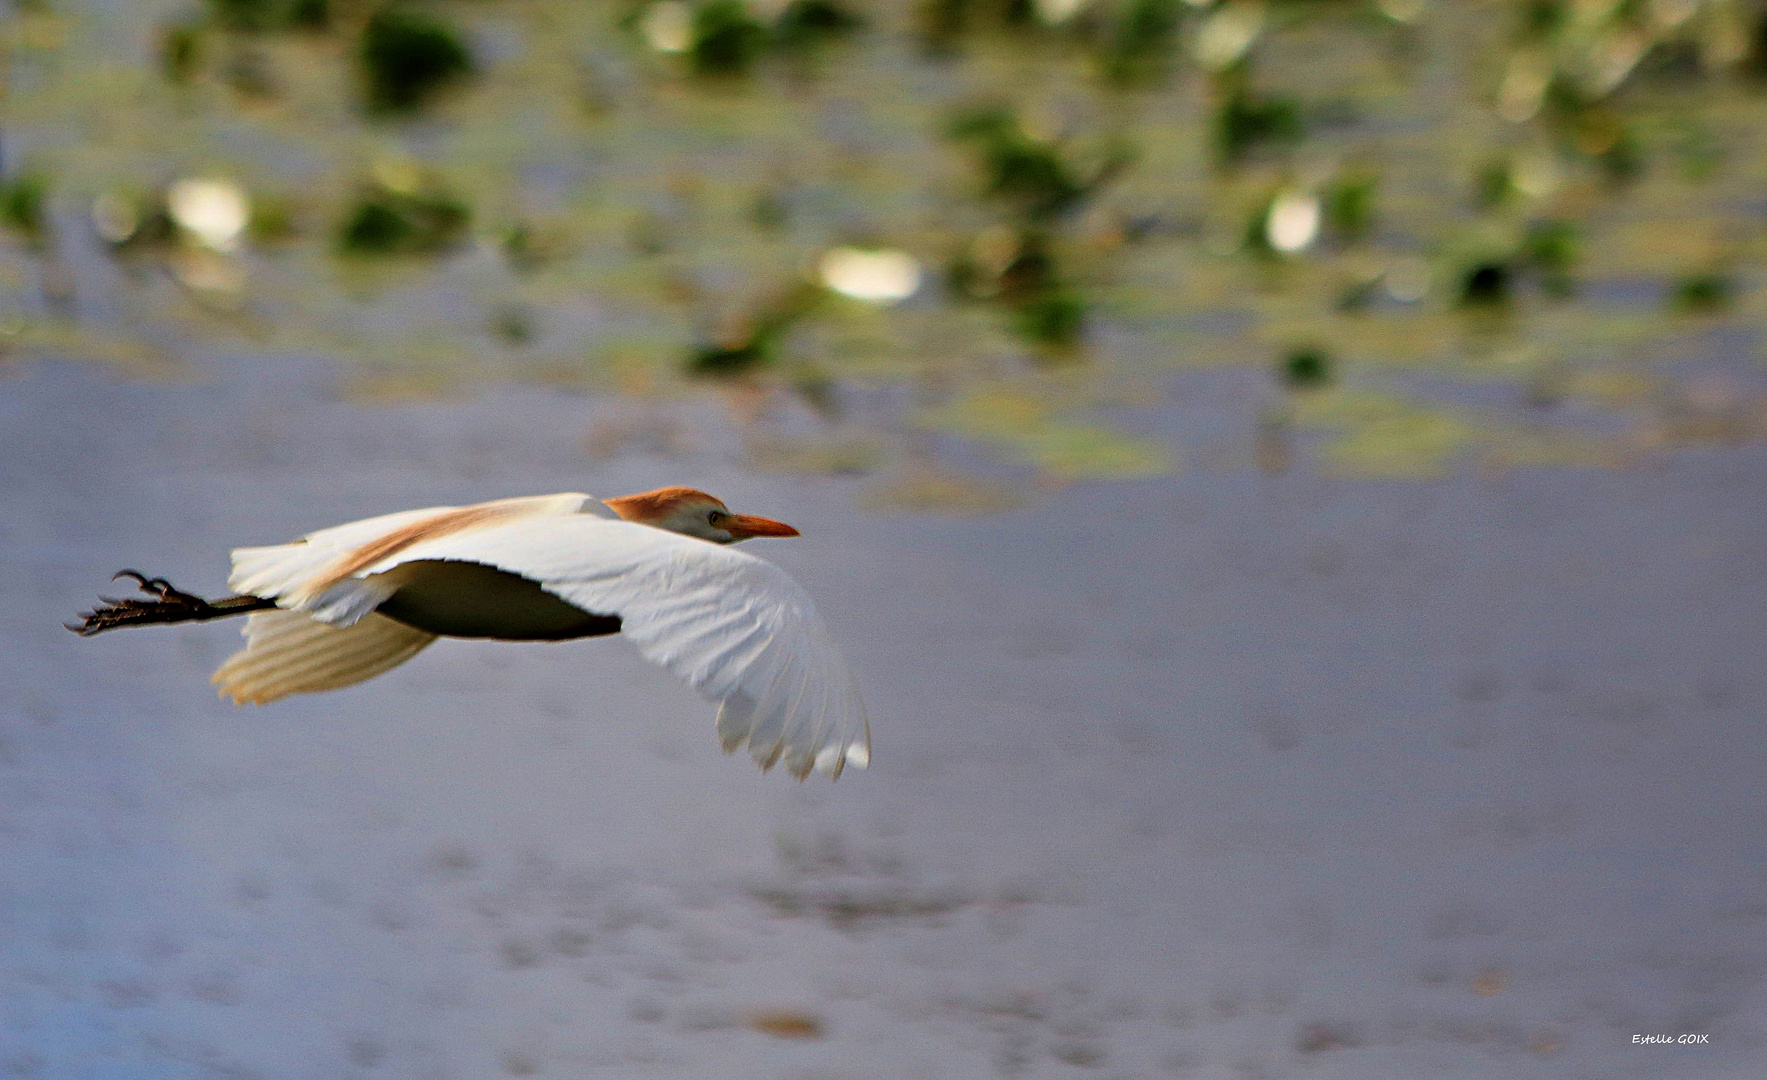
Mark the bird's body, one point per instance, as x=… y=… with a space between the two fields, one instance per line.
x=472 y=600
x=344 y=604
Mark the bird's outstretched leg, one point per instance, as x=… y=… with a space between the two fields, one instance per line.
x=168 y=605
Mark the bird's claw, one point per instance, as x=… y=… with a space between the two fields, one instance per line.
x=166 y=599
x=157 y=586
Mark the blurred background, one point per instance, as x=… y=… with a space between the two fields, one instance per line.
x=1288 y=474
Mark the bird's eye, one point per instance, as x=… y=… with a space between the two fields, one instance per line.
x=712 y=518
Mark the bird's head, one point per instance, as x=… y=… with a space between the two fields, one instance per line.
x=694 y=513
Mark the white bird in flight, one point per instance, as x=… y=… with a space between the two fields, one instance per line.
x=344 y=604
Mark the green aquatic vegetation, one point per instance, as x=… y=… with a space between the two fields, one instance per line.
x=787 y=167
x=1622 y=157
x=1380 y=436
x=770 y=210
x=245 y=15
x=804 y=23
x=272 y=220
x=1031 y=271
x=1494 y=185
x=727 y=40
x=515 y=325
x=649 y=234
x=255 y=16
x=1055 y=317
x=180 y=52
x=420 y=222
x=1698 y=151
x=1542 y=17
x=520 y=252
x=1522 y=447
x=526 y=248
x=66 y=338
x=926 y=488
x=1084 y=452
x=1306 y=368
x=941 y=24
x=1017 y=271
x=408 y=57
x=1487 y=283
x=1030 y=176
x=816 y=456
x=248 y=72
x=309 y=14
x=1551 y=247
x=731 y=359
x=1755 y=63
x=1255 y=234
x=990 y=415
x=1594 y=129
x=1245 y=121
x=1348 y=205
x=22 y=201
x=754 y=341
x=1141 y=40
x=1017 y=168
x=1704 y=291
x=1032 y=431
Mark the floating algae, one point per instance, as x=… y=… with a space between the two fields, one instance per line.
x=1381 y=436
x=1030 y=431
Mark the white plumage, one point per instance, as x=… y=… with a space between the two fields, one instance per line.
x=290 y=652
x=738 y=629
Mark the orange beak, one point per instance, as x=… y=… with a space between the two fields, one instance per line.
x=743 y=526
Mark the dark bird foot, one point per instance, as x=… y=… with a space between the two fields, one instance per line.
x=168 y=604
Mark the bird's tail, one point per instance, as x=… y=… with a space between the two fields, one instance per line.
x=290 y=652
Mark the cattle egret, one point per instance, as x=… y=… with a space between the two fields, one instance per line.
x=344 y=604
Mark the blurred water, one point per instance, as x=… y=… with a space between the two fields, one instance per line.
x=1195 y=776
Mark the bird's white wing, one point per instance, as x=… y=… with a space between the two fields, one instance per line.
x=301 y=575
x=355 y=533
x=738 y=629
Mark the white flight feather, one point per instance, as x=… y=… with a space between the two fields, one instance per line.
x=288 y=652
x=736 y=628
